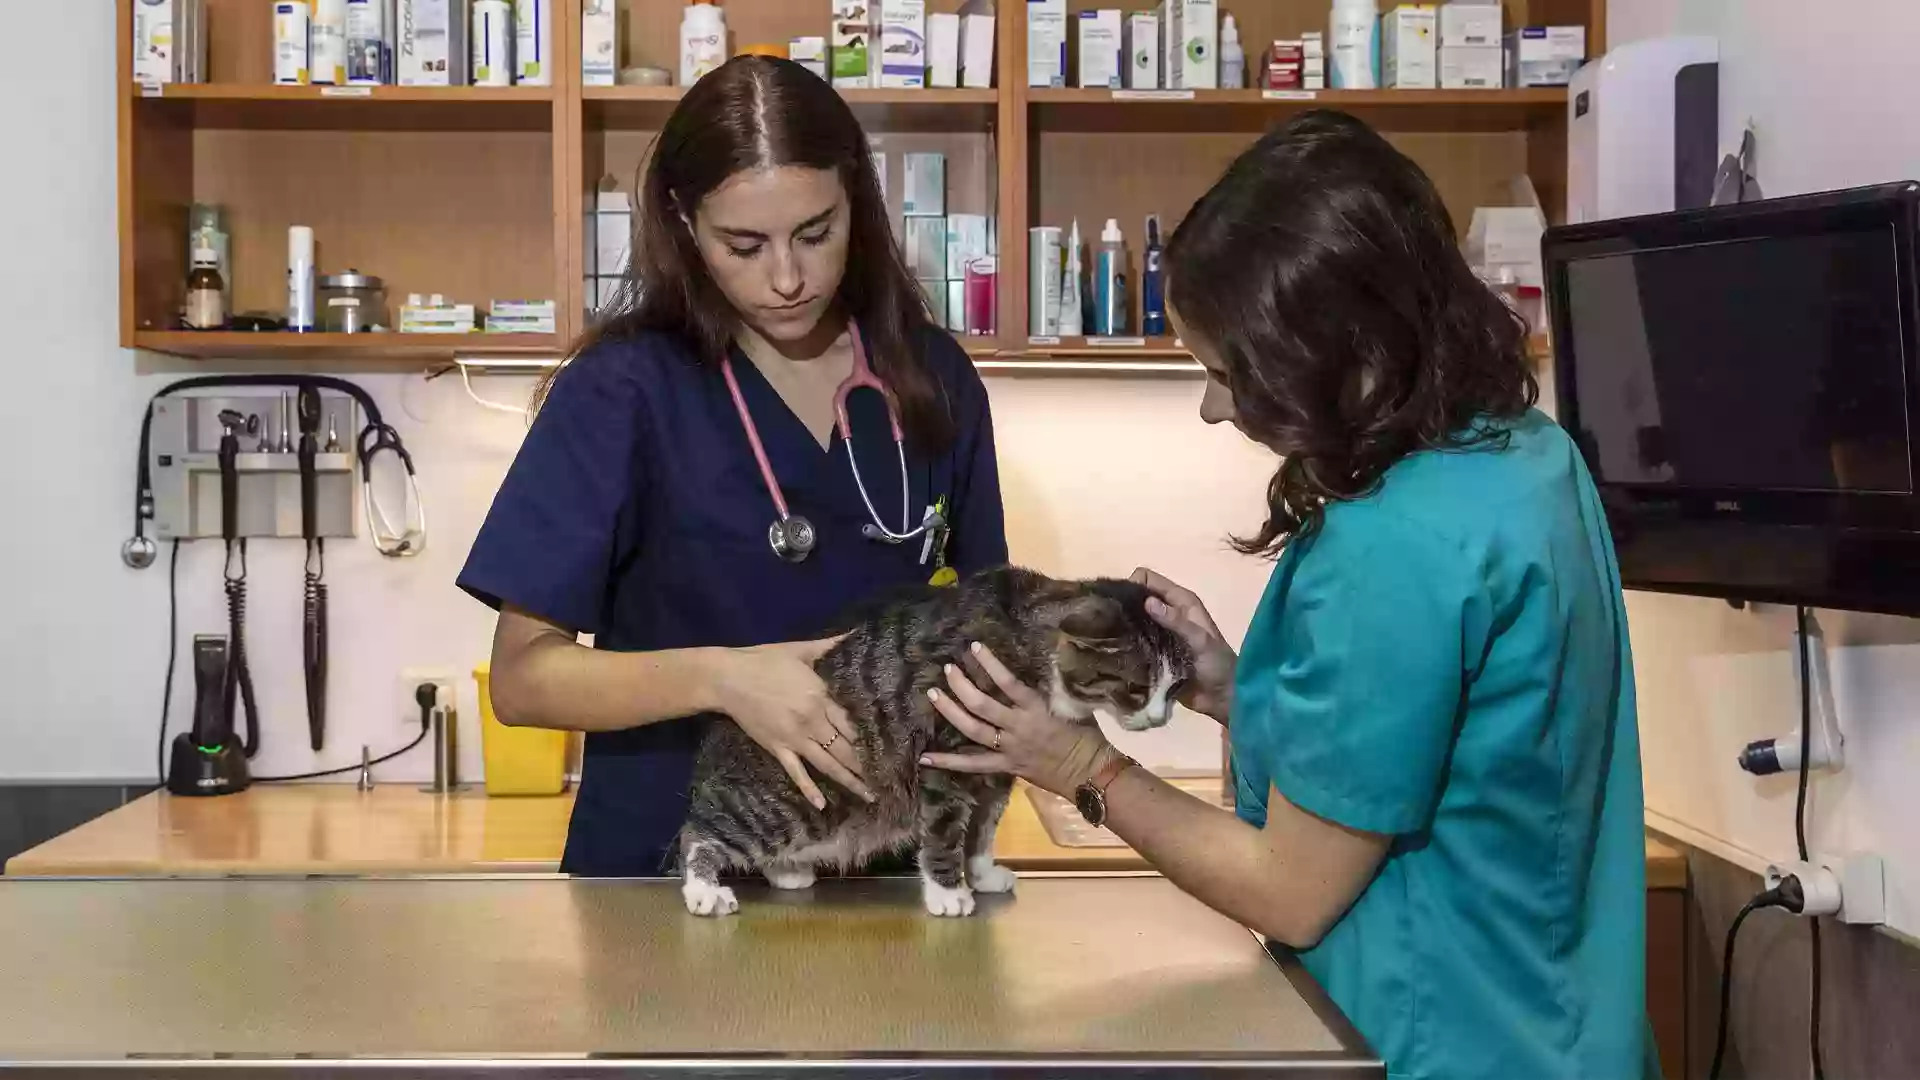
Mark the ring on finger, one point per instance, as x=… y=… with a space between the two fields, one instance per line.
x=997 y=736
x=828 y=745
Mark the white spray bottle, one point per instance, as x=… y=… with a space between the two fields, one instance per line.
x=1071 y=324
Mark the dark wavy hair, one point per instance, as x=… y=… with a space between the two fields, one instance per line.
x=756 y=112
x=1324 y=271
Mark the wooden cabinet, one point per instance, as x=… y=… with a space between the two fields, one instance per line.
x=482 y=193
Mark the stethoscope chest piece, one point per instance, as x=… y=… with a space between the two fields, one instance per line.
x=138 y=552
x=792 y=538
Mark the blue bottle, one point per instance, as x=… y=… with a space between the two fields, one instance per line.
x=1153 y=300
x=1110 y=283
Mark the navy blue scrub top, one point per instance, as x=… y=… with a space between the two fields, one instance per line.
x=635 y=512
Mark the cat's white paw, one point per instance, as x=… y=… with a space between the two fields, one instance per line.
x=944 y=901
x=708 y=898
x=790 y=877
x=988 y=876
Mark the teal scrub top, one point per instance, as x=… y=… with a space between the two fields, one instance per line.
x=1446 y=662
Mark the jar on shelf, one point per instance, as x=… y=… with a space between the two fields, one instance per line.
x=352 y=303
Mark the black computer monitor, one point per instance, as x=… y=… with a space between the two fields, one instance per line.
x=1744 y=382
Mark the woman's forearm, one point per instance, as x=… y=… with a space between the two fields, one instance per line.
x=1290 y=881
x=1206 y=850
x=543 y=678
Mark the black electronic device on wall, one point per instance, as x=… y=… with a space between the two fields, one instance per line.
x=1744 y=382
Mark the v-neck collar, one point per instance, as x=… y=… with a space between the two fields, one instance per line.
x=817 y=480
x=775 y=403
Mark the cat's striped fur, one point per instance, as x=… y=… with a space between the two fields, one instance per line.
x=1088 y=645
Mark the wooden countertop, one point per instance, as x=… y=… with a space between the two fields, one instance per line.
x=335 y=829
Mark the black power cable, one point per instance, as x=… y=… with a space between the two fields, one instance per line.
x=1789 y=894
x=1800 y=838
x=173 y=655
x=424 y=696
x=1767 y=899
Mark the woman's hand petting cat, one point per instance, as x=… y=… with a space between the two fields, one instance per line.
x=1024 y=739
x=1210 y=691
x=775 y=696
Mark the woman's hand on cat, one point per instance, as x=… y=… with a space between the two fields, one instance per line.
x=776 y=697
x=1210 y=691
x=1024 y=739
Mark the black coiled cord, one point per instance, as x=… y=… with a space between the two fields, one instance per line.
x=239 y=688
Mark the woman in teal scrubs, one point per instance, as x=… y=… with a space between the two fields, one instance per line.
x=1432 y=716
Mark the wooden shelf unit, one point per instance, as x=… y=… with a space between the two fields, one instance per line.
x=481 y=193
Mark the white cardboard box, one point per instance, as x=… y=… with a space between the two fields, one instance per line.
x=1470 y=24
x=1143 y=51
x=1047 y=43
x=903 y=44
x=1545 y=55
x=431 y=42
x=943 y=50
x=612 y=233
x=924 y=243
x=966 y=241
x=924 y=193
x=154 y=25
x=1192 y=36
x=1100 y=49
x=976 y=51
x=1472 y=67
x=855 y=52
x=1409 y=59
x=599 y=43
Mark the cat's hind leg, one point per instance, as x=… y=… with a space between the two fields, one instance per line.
x=945 y=812
x=702 y=860
x=983 y=873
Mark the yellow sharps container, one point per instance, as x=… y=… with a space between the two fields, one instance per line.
x=520 y=761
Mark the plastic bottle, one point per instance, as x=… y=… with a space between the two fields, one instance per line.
x=533 y=42
x=703 y=41
x=1071 y=323
x=327 y=43
x=292 y=27
x=300 y=307
x=1153 y=300
x=1354 y=39
x=492 y=39
x=1110 y=282
x=1233 y=59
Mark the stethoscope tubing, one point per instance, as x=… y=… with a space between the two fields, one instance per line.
x=861 y=377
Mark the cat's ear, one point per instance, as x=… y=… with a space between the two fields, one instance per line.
x=1095 y=623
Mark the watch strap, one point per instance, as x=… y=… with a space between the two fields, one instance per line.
x=1104 y=777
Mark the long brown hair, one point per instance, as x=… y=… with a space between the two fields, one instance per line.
x=757 y=112
x=1324 y=269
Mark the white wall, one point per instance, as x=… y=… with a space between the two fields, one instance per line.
x=1100 y=475
x=1832 y=101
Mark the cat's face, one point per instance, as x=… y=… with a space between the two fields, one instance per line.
x=1110 y=656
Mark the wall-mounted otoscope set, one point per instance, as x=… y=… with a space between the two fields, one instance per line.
x=243 y=457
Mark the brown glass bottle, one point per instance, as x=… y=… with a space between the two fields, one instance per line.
x=206 y=293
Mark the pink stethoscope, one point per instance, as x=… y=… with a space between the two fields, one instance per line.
x=792 y=536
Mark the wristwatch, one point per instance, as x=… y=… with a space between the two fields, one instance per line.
x=1091 y=796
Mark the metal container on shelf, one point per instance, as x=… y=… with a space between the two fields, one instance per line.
x=352 y=303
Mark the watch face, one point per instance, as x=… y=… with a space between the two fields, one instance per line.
x=1092 y=803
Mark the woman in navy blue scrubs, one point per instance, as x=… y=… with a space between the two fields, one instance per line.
x=638 y=512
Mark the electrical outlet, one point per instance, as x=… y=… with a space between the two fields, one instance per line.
x=410 y=680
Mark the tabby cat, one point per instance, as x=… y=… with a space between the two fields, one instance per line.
x=1088 y=645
